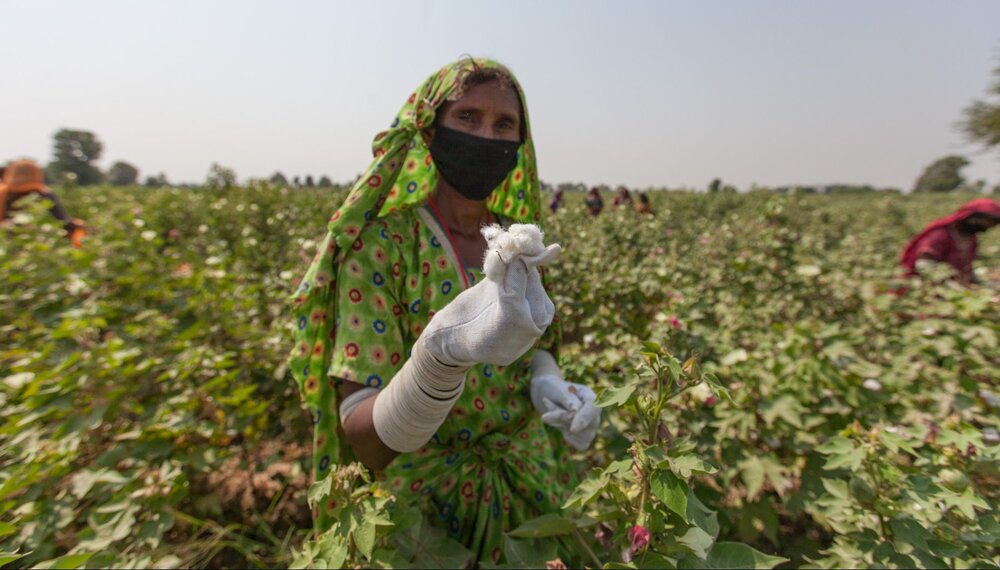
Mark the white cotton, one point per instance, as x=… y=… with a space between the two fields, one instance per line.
x=501 y=317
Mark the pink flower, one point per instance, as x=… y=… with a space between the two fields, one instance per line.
x=174 y=234
x=675 y=323
x=639 y=538
x=711 y=400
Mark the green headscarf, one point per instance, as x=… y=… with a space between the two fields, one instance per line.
x=401 y=176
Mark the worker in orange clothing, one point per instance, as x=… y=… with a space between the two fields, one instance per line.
x=23 y=177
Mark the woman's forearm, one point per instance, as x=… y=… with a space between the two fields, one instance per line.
x=359 y=429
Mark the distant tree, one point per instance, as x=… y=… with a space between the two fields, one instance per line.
x=297 y=182
x=220 y=177
x=981 y=122
x=310 y=183
x=325 y=182
x=74 y=152
x=278 y=179
x=714 y=186
x=728 y=189
x=943 y=175
x=122 y=173
x=156 y=181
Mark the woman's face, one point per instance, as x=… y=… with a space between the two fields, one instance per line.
x=977 y=223
x=487 y=110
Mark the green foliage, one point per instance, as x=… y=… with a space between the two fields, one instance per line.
x=943 y=175
x=122 y=174
x=981 y=119
x=278 y=179
x=220 y=177
x=158 y=181
x=767 y=394
x=74 y=153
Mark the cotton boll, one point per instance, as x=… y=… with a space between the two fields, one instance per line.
x=872 y=384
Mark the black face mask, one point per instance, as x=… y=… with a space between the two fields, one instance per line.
x=472 y=165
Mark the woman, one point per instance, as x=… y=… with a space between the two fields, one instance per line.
x=400 y=265
x=24 y=177
x=952 y=240
x=622 y=198
x=556 y=202
x=594 y=202
x=643 y=206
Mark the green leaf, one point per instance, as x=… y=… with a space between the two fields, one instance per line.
x=736 y=555
x=786 y=407
x=687 y=465
x=701 y=516
x=6 y=528
x=585 y=492
x=910 y=531
x=621 y=468
x=653 y=561
x=550 y=524
x=616 y=396
x=68 y=562
x=851 y=460
x=836 y=445
x=363 y=534
x=8 y=557
x=423 y=545
x=671 y=491
x=675 y=367
x=895 y=442
x=698 y=541
x=964 y=503
x=332 y=550
x=319 y=491
x=752 y=473
x=945 y=549
x=838 y=488
x=528 y=553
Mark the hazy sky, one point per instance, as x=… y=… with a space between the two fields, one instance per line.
x=655 y=93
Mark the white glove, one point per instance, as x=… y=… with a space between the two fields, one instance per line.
x=502 y=316
x=563 y=405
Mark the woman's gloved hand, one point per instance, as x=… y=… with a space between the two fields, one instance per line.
x=502 y=316
x=563 y=405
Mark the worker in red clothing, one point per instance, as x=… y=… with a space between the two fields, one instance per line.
x=952 y=240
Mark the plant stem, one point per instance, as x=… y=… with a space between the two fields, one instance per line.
x=586 y=547
x=886 y=532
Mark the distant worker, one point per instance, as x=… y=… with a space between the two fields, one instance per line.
x=556 y=202
x=643 y=206
x=952 y=240
x=23 y=177
x=622 y=198
x=594 y=202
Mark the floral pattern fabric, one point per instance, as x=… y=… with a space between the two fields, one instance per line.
x=383 y=270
